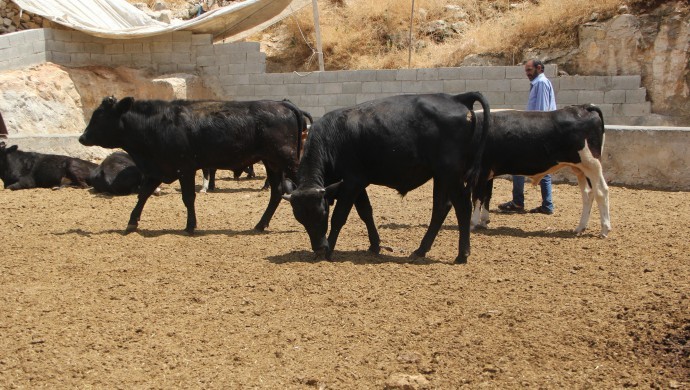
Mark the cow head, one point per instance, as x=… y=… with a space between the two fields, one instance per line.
x=5 y=153
x=106 y=127
x=310 y=207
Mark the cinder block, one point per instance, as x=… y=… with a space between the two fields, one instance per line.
x=263 y=90
x=61 y=58
x=494 y=97
x=274 y=78
x=422 y=86
x=470 y=72
x=309 y=78
x=202 y=39
x=328 y=77
x=590 y=97
x=371 y=87
x=296 y=89
x=454 y=86
x=347 y=76
x=226 y=48
x=366 y=75
x=625 y=82
x=347 y=99
x=365 y=97
x=636 y=95
x=246 y=46
x=246 y=90
x=555 y=83
x=238 y=58
x=315 y=89
x=391 y=87
x=332 y=88
x=352 y=87
x=634 y=109
x=62 y=35
x=182 y=47
x=551 y=70
x=80 y=59
x=234 y=69
x=501 y=85
x=256 y=67
x=328 y=100
x=386 y=75
x=133 y=48
x=145 y=59
x=122 y=59
x=200 y=60
x=182 y=36
x=253 y=57
x=17 y=38
x=161 y=47
x=603 y=83
x=449 y=74
x=101 y=59
x=606 y=110
x=520 y=85
x=310 y=100
x=577 y=82
x=74 y=47
x=209 y=71
x=494 y=72
x=93 y=48
x=564 y=97
x=477 y=85
x=180 y=57
x=164 y=58
x=427 y=74
x=203 y=50
x=515 y=72
x=516 y=98
x=257 y=78
x=4 y=42
x=57 y=46
x=406 y=74
x=615 y=96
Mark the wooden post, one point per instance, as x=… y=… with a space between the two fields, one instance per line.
x=409 y=55
x=318 y=34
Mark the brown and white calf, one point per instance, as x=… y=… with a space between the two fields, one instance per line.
x=536 y=143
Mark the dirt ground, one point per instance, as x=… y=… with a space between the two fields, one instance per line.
x=84 y=306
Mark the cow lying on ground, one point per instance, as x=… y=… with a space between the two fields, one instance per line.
x=117 y=174
x=535 y=143
x=209 y=175
x=399 y=142
x=171 y=140
x=22 y=170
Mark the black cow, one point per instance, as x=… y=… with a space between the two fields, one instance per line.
x=535 y=143
x=22 y=170
x=400 y=142
x=209 y=174
x=117 y=174
x=171 y=140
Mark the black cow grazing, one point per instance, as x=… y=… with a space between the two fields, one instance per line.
x=171 y=140
x=399 y=142
x=117 y=174
x=535 y=143
x=209 y=175
x=22 y=170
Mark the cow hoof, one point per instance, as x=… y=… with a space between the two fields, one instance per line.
x=375 y=249
x=329 y=255
x=260 y=228
x=130 y=228
x=417 y=254
x=461 y=260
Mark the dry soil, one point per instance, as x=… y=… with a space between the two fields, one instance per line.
x=84 y=306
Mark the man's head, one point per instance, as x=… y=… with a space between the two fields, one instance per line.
x=533 y=68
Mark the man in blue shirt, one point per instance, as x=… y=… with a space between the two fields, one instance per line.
x=541 y=98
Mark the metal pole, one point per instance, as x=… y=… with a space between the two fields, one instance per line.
x=409 y=55
x=318 y=34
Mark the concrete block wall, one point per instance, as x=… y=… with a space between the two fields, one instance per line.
x=238 y=71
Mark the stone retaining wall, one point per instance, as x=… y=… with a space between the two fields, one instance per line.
x=237 y=71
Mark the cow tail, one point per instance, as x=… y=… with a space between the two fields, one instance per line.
x=593 y=108
x=478 y=143
x=299 y=114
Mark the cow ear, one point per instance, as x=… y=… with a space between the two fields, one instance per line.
x=124 y=105
x=287 y=186
x=332 y=190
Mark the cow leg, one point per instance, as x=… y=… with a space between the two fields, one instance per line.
x=486 y=203
x=439 y=212
x=346 y=197
x=274 y=179
x=461 y=199
x=366 y=213
x=148 y=185
x=188 y=197
x=23 y=183
x=587 y=200
x=600 y=190
x=481 y=198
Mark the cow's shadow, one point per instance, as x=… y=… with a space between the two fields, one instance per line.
x=355 y=257
x=516 y=232
x=227 y=190
x=152 y=233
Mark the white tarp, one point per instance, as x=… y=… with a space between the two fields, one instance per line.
x=120 y=20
